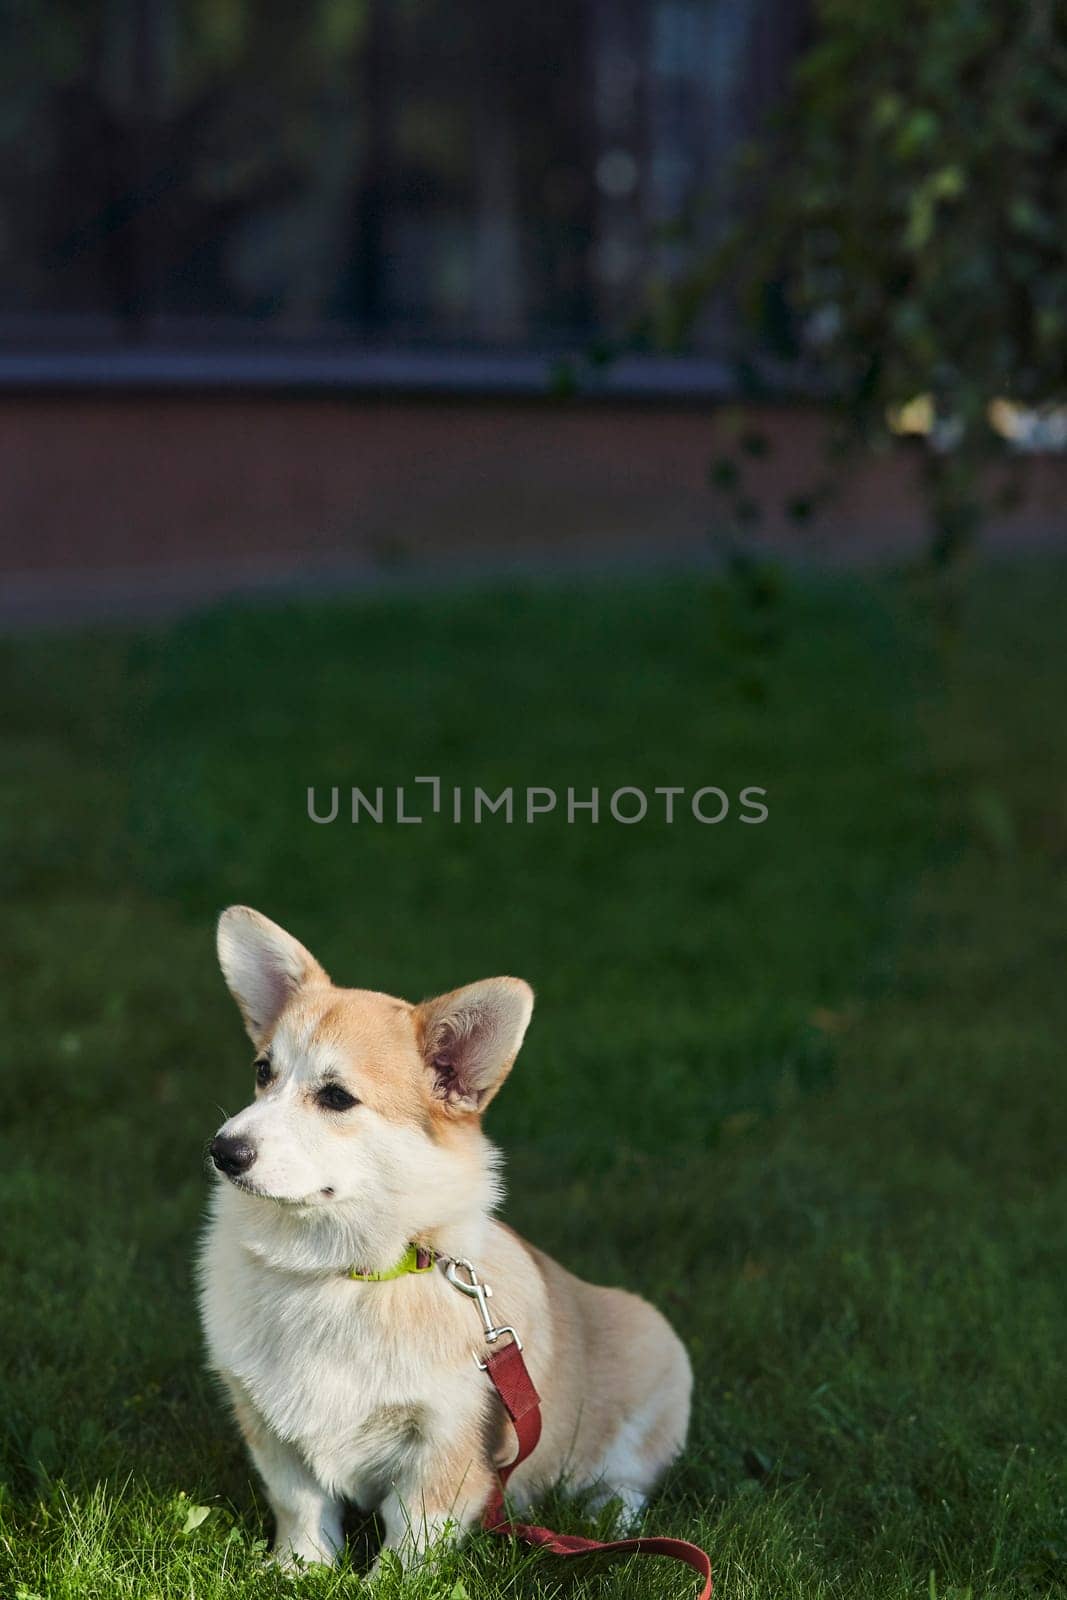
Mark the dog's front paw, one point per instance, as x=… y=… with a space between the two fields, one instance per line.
x=386 y=1564
x=413 y=1552
x=295 y=1556
x=620 y=1510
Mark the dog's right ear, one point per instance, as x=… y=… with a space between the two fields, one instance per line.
x=470 y=1038
x=263 y=966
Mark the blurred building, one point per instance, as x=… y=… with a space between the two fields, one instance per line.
x=406 y=174
x=293 y=284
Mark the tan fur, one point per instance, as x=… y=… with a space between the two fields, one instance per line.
x=614 y=1379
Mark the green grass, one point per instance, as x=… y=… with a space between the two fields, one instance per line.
x=801 y=1083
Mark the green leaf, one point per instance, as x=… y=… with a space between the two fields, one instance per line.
x=920 y=130
x=886 y=110
x=389 y=1564
x=195 y=1516
x=920 y=221
x=948 y=183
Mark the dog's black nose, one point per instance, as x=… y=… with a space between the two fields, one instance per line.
x=232 y=1156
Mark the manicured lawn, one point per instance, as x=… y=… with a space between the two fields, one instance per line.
x=802 y=1082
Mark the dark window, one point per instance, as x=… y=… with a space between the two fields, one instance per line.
x=401 y=172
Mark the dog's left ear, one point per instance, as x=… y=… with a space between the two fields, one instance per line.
x=263 y=966
x=470 y=1038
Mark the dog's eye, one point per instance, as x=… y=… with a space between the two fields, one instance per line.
x=264 y=1073
x=331 y=1097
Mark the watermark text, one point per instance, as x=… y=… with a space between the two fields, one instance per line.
x=422 y=799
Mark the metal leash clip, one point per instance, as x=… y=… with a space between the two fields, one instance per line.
x=481 y=1294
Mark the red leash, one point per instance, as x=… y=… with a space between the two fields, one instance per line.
x=510 y=1377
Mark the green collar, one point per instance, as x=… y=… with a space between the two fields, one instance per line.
x=416 y=1258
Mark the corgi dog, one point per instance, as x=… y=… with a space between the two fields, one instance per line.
x=356 y=1175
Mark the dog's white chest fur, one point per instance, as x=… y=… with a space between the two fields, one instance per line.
x=331 y=1369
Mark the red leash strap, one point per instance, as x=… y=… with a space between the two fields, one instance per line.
x=511 y=1379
